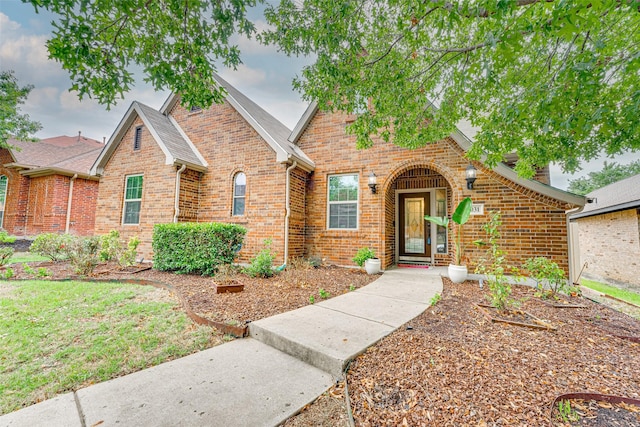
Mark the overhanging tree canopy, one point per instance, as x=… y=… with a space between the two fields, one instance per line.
x=14 y=124
x=553 y=81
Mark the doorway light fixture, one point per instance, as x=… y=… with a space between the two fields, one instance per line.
x=471 y=173
x=373 y=182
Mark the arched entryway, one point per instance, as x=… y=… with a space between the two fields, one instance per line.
x=412 y=192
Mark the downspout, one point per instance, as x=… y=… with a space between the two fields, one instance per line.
x=73 y=178
x=569 y=242
x=176 y=203
x=288 y=208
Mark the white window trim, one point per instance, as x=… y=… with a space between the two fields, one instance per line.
x=4 y=207
x=234 y=197
x=357 y=202
x=125 y=200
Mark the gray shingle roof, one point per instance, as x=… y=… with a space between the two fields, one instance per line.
x=72 y=153
x=621 y=195
x=169 y=136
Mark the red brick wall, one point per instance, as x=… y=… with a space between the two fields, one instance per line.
x=83 y=207
x=189 y=196
x=230 y=145
x=298 y=183
x=534 y=225
x=158 y=189
x=16 y=198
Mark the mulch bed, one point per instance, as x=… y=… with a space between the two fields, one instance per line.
x=456 y=367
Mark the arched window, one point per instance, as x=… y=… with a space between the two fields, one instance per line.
x=239 y=191
x=3 y=197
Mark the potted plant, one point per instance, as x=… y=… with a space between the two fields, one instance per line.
x=457 y=271
x=366 y=257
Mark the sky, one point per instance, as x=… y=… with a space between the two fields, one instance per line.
x=265 y=77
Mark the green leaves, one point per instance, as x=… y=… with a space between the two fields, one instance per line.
x=13 y=124
x=176 y=43
x=550 y=81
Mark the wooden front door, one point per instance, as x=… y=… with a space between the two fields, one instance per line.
x=413 y=229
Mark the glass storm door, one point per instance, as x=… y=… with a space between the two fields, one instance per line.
x=415 y=241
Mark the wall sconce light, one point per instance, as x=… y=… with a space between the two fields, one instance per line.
x=471 y=175
x=373 y=182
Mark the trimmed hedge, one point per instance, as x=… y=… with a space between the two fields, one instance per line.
x=199 y=247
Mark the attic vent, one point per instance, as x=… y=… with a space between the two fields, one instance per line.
x=137 y=139
x=195 y=109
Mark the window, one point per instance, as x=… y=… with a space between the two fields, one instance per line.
x=343 y=201
x=132 y=199
x=3 y=197
x=239 y=191
x=137 y=139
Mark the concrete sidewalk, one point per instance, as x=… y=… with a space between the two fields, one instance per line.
x=289 y=360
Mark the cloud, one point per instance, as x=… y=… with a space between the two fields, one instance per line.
x=244 y=76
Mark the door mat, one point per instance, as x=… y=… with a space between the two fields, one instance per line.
x=413 y=266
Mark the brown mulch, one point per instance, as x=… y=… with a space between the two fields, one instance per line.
x=456 y=367
x=260 y=298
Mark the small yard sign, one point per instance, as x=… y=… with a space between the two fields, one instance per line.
x=477 y=209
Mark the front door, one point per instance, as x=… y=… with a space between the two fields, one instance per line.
x=415 y=240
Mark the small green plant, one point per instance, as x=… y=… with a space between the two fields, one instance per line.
x=362 y=255
x=43 y=272
x=5 y=255
x=112 y=249
x=7 y=274
x=51 y=245
x=566 y=413
x=5 y=238
x=323 y=294
x=494 y=266
x=226 y=274
x=352 y=287
x=262 y=264
x=436 y=299
x=550 y=279
x=27 y=269
x=312 y=299
x=460 y=216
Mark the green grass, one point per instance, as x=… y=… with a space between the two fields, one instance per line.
x=20 y=257
x=61 y=336
x=622 y=294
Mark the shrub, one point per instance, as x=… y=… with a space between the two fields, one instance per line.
x=7 y=274
x=494 y=266
x=51 y=245
x=362 y=255
x=262 y=264
x=112 y=248
x=5 y=238
x=226 y=274
x=83 y=254
x=5 y=255
x=195 y=247
x=550 y=278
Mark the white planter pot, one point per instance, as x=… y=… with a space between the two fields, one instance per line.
x=457 y=273
x=372 y=266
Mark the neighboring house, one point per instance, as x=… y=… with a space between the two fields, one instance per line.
x=45 y=186
x=307 y=190
x=609 y=231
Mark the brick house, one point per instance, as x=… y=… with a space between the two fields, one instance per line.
x=307 y=189
x=609 y=232
x=45 y=186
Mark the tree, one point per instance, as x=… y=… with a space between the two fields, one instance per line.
x=553 y=81
x=175 y=42
x=12 y=123
x=610 y=173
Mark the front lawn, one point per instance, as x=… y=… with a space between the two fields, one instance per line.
x=20 y=257
x=61 y=336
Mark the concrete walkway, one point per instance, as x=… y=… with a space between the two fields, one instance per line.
x=288 y=361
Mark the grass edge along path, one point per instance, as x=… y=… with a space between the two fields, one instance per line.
x=622 y=294
x=61 y=336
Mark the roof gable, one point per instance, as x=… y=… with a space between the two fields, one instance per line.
x=268 y=127
x=174 y=143
x=463 y=136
